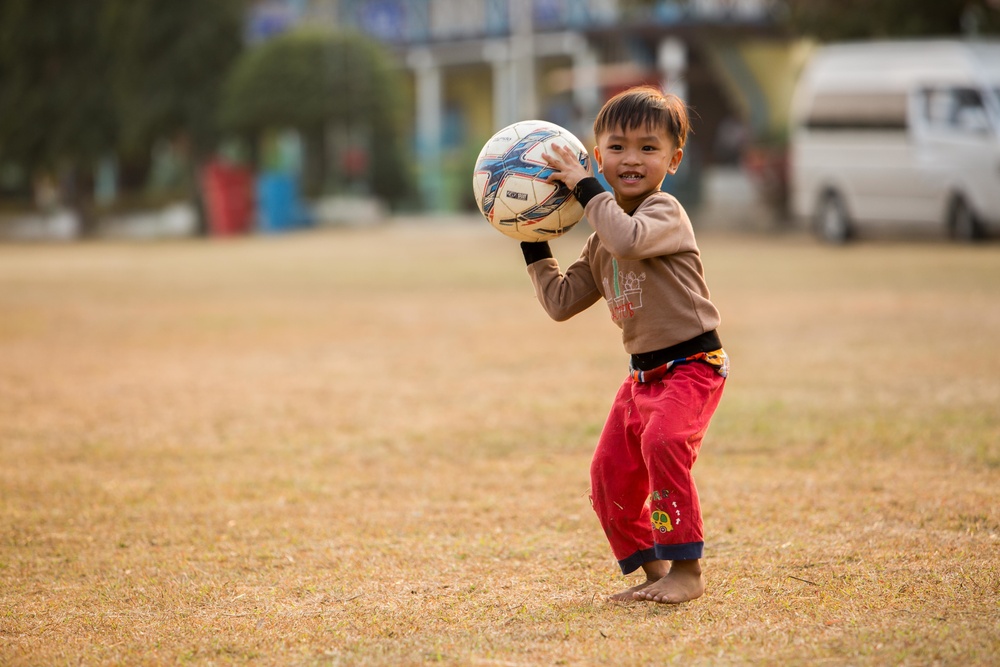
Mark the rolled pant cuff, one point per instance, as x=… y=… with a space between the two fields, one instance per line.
x=635 y=561
x=688 y=551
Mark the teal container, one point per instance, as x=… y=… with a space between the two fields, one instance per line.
x=279 y=208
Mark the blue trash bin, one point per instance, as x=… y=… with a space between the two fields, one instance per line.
x=279 y=207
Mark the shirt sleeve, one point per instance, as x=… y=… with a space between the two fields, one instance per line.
x=563 y=295
x=658 y=227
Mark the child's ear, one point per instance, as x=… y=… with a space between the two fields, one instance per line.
x=675 y=161
x=599 y=160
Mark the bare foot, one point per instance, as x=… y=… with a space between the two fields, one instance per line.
x=655 y=570
x=683 y=583
x=627 y=594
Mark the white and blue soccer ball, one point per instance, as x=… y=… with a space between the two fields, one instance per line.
x=510 y=187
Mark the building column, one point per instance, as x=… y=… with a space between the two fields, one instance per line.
x=672 y=61
x=498 y=55
x=430 y=112
x=586 y=92
x=522 y=51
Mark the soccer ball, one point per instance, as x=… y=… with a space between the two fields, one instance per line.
x=510 y=187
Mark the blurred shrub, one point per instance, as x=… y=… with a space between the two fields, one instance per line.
x=342 y=92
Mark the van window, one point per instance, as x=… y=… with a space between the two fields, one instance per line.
x=954 y=109
x=863 y=110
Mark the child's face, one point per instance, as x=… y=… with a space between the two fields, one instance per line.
x=635 y=161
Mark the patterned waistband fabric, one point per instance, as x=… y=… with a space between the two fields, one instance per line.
x=718 y=359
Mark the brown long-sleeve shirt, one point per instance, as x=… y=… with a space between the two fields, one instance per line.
x=647 y=268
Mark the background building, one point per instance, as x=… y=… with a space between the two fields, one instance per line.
x=478 y=65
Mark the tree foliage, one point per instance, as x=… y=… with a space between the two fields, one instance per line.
x=330 y=86
x=831 y=20
x=83 y=79
x=55 y=97
x=172 y=57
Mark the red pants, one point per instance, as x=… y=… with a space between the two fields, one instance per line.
x=641 y=483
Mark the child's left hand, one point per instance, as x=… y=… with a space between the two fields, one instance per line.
x=566 y=165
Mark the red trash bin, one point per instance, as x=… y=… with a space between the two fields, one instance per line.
x=228 y=192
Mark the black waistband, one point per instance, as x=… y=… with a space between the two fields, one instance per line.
x=706 y=342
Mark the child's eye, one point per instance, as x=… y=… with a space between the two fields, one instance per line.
x=649 y=149
x=615 y=147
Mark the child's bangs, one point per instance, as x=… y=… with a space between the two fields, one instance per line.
x=633 y=117
x=644 y=108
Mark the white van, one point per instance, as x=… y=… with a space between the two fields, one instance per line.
x=898 y=133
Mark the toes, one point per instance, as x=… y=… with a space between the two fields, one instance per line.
x=653 y=596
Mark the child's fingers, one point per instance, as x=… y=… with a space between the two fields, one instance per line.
x=557 y=165
x=554 y=158
x=564 y=152
x=570 y=158
x=563 y=160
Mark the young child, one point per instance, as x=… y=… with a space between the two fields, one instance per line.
x=643 y=261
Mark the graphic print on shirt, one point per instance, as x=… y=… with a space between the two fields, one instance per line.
x=627 y=295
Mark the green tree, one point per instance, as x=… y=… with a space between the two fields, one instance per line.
x=56 y=105
x=341 y=91
x=88 y=79
x=830 y=20
x=171 y=60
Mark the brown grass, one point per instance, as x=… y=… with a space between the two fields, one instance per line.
x=371 y=447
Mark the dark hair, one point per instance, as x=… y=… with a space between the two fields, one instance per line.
x=645 y=106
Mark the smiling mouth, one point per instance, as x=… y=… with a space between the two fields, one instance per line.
x=630 y=177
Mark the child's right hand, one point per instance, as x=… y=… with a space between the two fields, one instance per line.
x=566 y=165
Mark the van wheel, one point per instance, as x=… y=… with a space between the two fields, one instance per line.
x=962 y=223
x=833 y=225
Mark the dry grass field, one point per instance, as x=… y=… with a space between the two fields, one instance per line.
x=370 y=447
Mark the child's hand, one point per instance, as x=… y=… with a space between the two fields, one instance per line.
x=566 y=165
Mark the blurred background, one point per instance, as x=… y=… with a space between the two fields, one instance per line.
x=157 y=118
